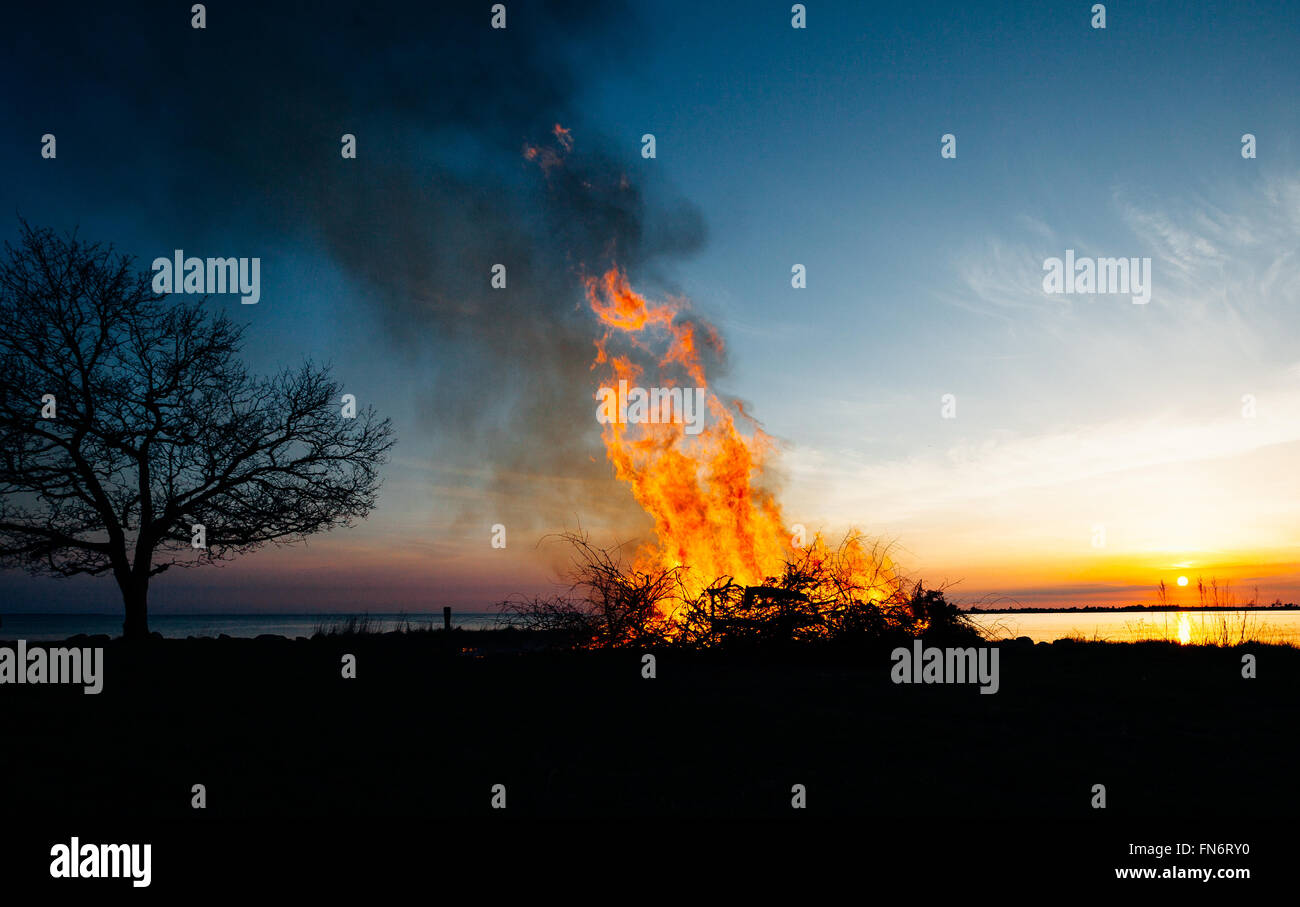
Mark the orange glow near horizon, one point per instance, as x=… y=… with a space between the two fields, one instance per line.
x=1119 y=579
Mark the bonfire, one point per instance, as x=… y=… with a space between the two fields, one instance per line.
x=722 y=563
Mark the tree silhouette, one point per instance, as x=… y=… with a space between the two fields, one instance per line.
x=127 y=419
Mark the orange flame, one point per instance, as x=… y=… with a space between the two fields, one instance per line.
x=549 y=158
x=563 y=136
x=703 y=491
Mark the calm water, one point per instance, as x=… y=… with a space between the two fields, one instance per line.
x=1223 y=627
x=1116 y=626
x=178 y=626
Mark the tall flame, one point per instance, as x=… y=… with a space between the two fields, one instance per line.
x=713 y=516
x=703 y=491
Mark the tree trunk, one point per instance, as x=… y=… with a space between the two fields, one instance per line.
x=136 y=597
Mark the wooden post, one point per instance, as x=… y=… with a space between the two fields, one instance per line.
x=446 y=617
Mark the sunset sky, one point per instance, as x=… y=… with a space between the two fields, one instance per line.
x=775 y=146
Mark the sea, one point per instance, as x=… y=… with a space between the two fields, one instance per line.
x=50 y=627
x=1223 y=627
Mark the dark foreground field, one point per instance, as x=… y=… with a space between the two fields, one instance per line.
x=271 y=729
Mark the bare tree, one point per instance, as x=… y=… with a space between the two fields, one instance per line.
x=127 y=420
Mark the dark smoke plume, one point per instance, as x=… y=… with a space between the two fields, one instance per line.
x=234 y=130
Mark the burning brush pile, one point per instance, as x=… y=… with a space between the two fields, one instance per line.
x=822 y=594
x=722 y=566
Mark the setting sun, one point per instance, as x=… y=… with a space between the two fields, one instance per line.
x=1182 y=581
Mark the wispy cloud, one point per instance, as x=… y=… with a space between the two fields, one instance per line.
x=1126 y=415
